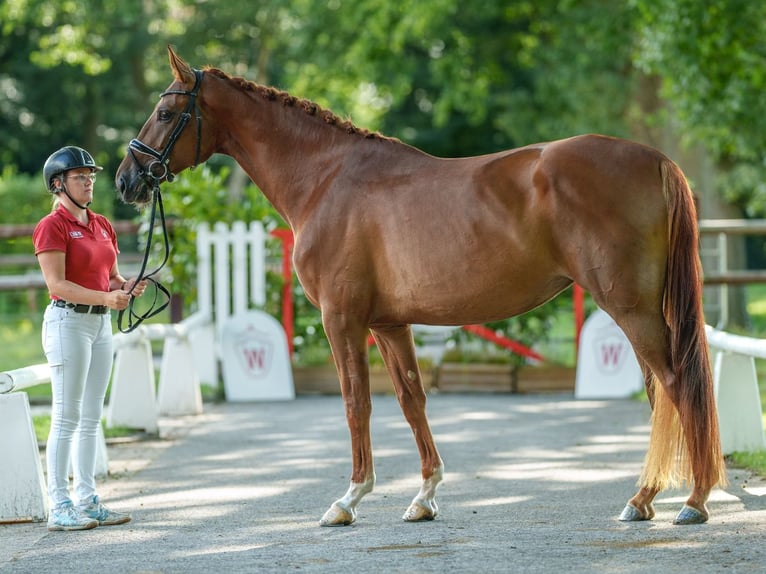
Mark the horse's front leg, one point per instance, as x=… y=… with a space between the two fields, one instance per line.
x=349 y=349
x=396 y=346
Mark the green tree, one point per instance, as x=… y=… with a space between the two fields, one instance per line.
x=458 y=79
x=711 y=58
x=65 y=69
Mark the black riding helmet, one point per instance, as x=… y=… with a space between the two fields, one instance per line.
x=68 y=157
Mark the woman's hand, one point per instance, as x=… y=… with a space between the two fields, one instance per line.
x=135 y=289
x=117 y=300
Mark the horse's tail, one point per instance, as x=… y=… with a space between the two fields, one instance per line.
x=685 y=442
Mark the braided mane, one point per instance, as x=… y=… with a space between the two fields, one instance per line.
x=311 y=108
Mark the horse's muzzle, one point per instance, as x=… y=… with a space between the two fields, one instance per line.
x=133 y=192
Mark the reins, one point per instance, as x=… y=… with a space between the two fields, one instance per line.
x=157 y=171
x=134 y=318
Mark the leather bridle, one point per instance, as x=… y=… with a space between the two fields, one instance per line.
x=153 y=174
x=158 y=169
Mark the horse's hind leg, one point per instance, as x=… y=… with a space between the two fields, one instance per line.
x=683 y=442
x=396 y=346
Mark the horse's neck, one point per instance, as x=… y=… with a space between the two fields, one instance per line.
x=284 y=150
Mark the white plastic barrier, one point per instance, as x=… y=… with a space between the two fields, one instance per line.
x=738 y=400
x=131 y=398
x=23 y=495
x=606 y=364
x=231 y=279
x=256 y=361
x=179 y=389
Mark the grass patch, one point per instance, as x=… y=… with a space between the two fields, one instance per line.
x=42 y=424
x=755 y=296
x=20 y=343
x=754 y=461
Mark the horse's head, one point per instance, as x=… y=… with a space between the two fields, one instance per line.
x=171 y=139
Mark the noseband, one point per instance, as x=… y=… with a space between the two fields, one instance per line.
x=153 y=174
x=157 y=169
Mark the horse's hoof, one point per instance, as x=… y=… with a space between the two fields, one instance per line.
x=632 y=514
x=690 y=515
x=338 y=516
x=418 y=512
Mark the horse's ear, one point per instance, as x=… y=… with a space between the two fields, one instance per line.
x=181 y=70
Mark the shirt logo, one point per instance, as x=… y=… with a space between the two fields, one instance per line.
x=75 y=234
x=104 y=234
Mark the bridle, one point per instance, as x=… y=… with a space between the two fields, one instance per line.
x=161 y=158
x=153 y=174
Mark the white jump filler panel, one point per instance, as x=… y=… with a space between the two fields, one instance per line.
x=606 y=365
x=255 y=358
x=23 y=495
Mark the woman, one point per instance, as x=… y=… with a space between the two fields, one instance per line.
x=77 y=252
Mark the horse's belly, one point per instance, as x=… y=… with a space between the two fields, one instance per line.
x=477 y=293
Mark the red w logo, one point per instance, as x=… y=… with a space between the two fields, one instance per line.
x=254 y=352
x=255 y=358
x=611 y=353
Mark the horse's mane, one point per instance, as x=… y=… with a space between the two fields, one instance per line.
x=311 y=108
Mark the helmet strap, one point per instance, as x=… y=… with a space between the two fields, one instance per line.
x=66 y=191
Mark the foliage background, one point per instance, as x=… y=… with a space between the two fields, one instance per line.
x=452 y=77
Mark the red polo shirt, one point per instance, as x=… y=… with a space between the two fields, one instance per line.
x=91 y=250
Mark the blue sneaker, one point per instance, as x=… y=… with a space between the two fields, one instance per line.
x=66 y=517
x=105 y=517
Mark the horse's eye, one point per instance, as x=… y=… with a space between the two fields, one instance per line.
x=164 y=115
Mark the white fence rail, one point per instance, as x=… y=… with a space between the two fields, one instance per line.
x=738 y=399
x=133 y=374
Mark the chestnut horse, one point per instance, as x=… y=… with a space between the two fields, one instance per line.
x=387 y=236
